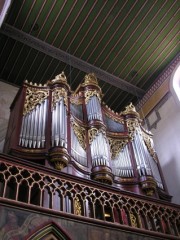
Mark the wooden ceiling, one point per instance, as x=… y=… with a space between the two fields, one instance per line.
x=127 y=43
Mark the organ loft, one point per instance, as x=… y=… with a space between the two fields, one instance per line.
x=81 y=165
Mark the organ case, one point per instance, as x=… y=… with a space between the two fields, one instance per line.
x=76 y=133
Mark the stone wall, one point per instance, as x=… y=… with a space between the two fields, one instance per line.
x=7 y=95
x=164 y=123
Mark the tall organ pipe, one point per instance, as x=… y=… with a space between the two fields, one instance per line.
x=99 y=151
x=94 y=109
x=59 y=124
x=122 y=165
x=33 y=127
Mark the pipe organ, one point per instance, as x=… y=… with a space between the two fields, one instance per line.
x=75 y=132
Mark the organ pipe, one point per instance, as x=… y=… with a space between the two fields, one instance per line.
x=33 y=127
x=59 y=124
x=99 y=151
x=94 y=109
x=122 y=165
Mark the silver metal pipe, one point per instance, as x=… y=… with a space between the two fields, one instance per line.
x=36 y=120
x=25 y=129
x=39 y=132
x=65 y=129
x=61 y=122
x=44 y=122
x=58 y=128
x=32 y=128
x=92 y=107
x=28 y=129
x=56 y=125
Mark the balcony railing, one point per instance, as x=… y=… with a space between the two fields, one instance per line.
x=51 y=189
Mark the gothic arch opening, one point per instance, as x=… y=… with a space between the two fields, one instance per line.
x=50 y=231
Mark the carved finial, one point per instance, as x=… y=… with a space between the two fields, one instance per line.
x=60 y=78
x=130 y=109
x=90 y=78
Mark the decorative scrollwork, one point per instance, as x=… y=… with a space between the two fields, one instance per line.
x=148 y=141
x=132 y=125
x=76 y=101
x=34 y=96
x=130 y=109
x=57 y=94
x=80 y=133
x=90 y=93
x=60 y=78
x=77 y=207
x=116 y=145
x=90 y=79
x=93 y=132
x=133 y=220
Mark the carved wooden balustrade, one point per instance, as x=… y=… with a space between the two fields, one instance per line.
x=63 y=193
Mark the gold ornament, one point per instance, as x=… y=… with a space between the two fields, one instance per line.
x=34 y=96
x=80 y=133
x=90 y=93
x=57 y=94
x=148 y=141
x=132 y=125
x=133 y=220
x=130 y=109
x=93 y=132
x=116 y=145
x=77 y=207
x=90 y=79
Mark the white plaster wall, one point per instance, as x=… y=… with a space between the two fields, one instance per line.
x=167 y=143
x=7 y=95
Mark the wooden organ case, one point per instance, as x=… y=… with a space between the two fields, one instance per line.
x=76 y=133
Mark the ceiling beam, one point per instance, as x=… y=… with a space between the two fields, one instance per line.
x=70 y=59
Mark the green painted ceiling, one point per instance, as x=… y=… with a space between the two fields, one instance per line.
x=132 y=39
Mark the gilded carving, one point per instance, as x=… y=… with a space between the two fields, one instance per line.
x=93 y=132
x=90 y=79
x=133 y=220
x=149 y=192
x=57 y=94
x=34 y=97
x=116 y=145
x=76 y=101
x=59 y=165
x=130 y=109
x=77 y=207
x=60 y=78
x=148 y=141
x=80 y=133
x=90 y=93
x=132 y=125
